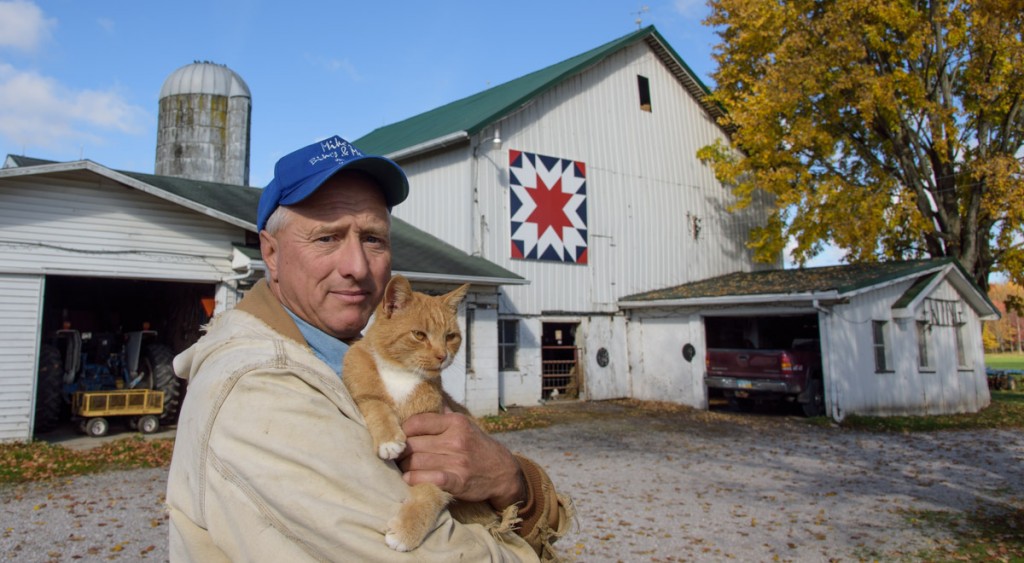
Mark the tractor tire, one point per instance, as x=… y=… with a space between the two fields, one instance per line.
x=156 y=365
x=49 y=402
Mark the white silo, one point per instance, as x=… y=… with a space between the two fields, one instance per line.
x=203 y=125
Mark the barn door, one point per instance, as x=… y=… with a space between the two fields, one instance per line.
x=560 y=366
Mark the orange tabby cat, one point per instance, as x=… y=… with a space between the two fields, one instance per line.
x=393 y=373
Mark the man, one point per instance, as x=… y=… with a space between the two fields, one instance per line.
x=272 y=460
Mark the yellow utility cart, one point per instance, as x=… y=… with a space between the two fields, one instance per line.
x=142 y=407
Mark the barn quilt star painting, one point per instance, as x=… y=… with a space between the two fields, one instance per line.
x=548 y=205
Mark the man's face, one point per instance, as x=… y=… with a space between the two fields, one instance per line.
x=331 y=259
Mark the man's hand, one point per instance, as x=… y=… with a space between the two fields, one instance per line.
x=451 y=452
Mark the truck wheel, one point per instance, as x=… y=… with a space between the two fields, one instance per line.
x=815 y=405
x=97 y=426
x=159 y=372
x=148 y=424
x=49 y=402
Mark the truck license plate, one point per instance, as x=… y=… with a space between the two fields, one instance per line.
x=744 y=384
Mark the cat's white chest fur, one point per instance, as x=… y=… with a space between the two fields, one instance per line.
x=398 y=381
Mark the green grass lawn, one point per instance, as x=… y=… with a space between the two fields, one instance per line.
x=1006 y=411
x=1011 y=360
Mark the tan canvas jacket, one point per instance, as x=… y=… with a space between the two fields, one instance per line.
x=272 y=461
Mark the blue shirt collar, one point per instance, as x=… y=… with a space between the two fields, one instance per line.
x=326 y=347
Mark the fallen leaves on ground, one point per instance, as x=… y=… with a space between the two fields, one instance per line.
x=38 y=461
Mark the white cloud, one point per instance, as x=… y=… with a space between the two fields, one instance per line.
x=37 y=111
x=23 y=25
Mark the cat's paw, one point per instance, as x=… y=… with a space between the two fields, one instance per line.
x=390 y=450
x=396 y=542
x=400 y=536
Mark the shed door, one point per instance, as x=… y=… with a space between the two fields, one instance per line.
x=20 y=300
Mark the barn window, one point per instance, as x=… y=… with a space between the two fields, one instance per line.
x=923 y=358
x=961 y=348
x=880 y=334
x=508 y=344
x=644 y=87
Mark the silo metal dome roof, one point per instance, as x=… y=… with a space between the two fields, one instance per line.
x=205 y=78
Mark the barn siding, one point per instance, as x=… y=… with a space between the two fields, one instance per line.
x=440 y=197
x=476 y=389
x=482 y=382
x=659 y=370
x=612 y=380
x=85 y=228
x=657 y=216
x=19 y=350
x=522 y=387
x=643 y=179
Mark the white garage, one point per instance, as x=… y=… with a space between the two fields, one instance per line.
x=897 y=338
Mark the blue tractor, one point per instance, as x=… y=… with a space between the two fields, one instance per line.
x=86 y=361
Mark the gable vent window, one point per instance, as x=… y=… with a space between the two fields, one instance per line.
x=644 y=87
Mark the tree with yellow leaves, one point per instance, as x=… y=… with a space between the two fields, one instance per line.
x=892 y=129
x=1004 y=334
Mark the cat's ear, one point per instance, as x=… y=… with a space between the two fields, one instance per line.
x=454 y=297
x=397 y=295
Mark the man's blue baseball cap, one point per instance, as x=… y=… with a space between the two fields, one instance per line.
x=299 y=174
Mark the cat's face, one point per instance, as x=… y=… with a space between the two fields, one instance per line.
x=419 y=331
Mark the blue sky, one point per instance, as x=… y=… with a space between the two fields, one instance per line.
x=81 y=79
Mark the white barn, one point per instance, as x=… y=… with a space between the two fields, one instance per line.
x=582 y=178
x=897 y=338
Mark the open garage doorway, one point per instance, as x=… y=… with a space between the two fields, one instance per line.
x=763 y=332
x=108 y=334
x=769 y=362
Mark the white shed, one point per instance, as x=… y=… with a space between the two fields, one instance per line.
x=897 y=338
x=106 y=250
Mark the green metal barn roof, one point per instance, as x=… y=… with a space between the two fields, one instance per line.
x=471 y=114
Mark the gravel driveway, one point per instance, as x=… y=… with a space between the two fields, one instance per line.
x=649 y=485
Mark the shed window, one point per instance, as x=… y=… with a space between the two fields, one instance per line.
x=923 y=358
x=880 y=334
x=508 y=344
x=962 y=359
x=644 y=87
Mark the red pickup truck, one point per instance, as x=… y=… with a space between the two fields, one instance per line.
x=748 y=375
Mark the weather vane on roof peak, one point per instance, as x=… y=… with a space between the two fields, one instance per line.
x=640 y=15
